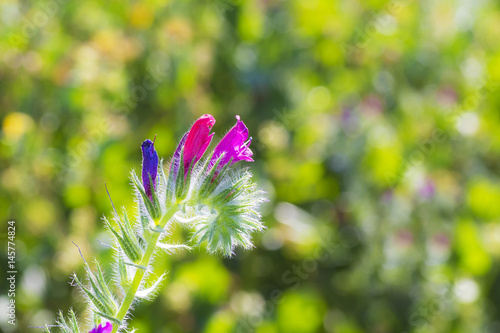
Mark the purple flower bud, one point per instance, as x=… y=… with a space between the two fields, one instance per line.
x=234 y=145
x=176 y=159
x=103 y=329
x=149 y=166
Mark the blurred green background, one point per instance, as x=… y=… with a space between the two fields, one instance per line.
x=375 y=127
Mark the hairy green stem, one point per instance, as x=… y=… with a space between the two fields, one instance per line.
x=151 y=241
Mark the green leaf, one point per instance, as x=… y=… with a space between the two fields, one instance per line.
x=155 y=213
x=172 y=247
x=62 y=323
x=98 y=289
x=144 y=293
x=124 y=279
x=73 y=321
x=102 y=282
x=95 y=301
x=130 y=247
x=109 y=317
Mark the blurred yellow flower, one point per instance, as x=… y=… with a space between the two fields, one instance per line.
x=16 y=124
x=141 y=16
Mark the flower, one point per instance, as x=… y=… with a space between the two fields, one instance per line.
x=197 y=140
x=234 y=145
x=427 y=190
x=149 y=166
x=103 y=329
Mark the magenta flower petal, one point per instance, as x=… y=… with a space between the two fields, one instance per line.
x=197 y=140
x=234 y=145
x=107 y=328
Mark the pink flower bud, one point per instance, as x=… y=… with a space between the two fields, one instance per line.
x=197 y=140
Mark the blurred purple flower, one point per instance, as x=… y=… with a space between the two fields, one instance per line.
x=428 y=190
x=103 y=329
x=372 y=104
x=387 y=196
x=197 y=140
x=447 y=96
x=149 y=166
x=347 y=114
x=441 y=239
x=404 y=237
x=234 y=145
x=349 y=121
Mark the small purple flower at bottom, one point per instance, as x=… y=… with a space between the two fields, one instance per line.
x=107 y=328
x=234 y=145
x=149 y=166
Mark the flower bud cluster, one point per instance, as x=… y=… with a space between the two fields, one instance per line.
x=224 y=211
